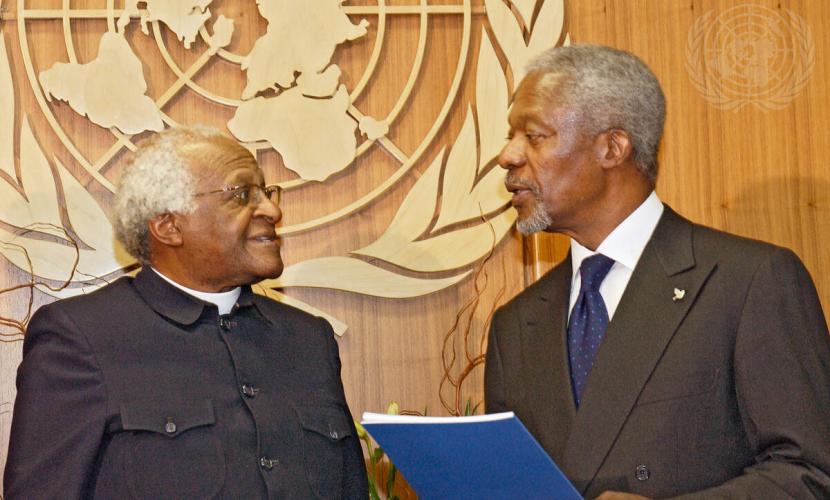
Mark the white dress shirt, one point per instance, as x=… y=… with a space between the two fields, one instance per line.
x=223 y=300
x=624 y=244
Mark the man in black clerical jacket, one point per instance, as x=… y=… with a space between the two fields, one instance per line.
x=180 y=382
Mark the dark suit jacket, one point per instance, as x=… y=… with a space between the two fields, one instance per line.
x=140 y=390
x=725 y=391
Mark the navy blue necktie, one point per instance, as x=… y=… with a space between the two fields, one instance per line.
x=589 y=319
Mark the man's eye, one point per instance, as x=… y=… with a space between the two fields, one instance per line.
x=241 y=195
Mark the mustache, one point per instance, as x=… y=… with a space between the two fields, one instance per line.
x=513 y=180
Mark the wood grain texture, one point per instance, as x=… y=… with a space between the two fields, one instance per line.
x=759 y=173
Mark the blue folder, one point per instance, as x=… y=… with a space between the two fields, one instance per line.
x=465 y=457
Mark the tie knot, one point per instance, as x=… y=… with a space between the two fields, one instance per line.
x=593 y=270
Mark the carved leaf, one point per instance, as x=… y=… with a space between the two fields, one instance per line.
x=354 y=275
x=7 y=104
x=54 y=260
x=36 y=178
x=50 y=260
x=525 y=8
x=462 y=200
x=492 y=102
x=338 y=326
x=459 y=175
x=508 y=33
x=414 y=215
x=449 y=250
x=550 y=23
x=91 y=224
x=411 y=220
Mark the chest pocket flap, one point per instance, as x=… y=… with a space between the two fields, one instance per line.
x=167 y=418
x=329 y=421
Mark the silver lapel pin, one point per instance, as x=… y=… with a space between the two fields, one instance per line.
x=678 y=294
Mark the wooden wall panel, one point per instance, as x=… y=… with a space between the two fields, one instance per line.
x=756 y=172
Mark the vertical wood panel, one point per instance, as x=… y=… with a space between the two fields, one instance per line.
x=757 y=173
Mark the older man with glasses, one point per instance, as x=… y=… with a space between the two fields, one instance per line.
x=180 y=382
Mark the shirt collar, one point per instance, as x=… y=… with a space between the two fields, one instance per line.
x=627 y=241
x=176 y=304
x=222 y=300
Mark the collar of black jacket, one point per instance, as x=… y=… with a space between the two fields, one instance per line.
x=178 y=305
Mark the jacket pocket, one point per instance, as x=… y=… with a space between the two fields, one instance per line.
x=325 y=429
x=173 y=449
x=675 y=385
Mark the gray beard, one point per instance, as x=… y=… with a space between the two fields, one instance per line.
x=538 y=220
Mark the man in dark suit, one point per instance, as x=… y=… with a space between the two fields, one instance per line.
x=660 y=358
x=180 y=382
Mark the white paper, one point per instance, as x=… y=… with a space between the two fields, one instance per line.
x=382 y=418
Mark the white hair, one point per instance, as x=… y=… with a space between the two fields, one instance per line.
x=156 y=180
x=612 y=89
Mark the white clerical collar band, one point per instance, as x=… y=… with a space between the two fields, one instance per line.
x=222 y=300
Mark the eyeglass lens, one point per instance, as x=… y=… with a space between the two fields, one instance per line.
x=253 y=193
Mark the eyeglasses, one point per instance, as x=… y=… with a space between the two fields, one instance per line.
x=249 y=194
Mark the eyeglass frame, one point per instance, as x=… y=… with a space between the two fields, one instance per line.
x=260 y=190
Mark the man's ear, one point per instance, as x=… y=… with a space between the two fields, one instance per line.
x=165 y=228
x=613 y=147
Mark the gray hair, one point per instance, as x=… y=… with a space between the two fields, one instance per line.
x=156 y=180
x=613 y=89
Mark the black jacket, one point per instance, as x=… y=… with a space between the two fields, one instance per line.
x=140 y=390
x=713 y=378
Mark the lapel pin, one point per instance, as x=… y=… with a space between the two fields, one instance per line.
x=678 y=295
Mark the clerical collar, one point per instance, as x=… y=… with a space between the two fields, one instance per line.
x=223 y=300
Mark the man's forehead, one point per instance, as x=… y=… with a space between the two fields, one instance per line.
x=537 y=96
x=221 y=156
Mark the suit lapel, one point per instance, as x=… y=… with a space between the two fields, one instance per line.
x=644 y=323
x=545 y=357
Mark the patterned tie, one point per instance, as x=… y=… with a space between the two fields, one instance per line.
x=589 y=319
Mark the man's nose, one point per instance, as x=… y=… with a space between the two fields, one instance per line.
x=265 y=207
x=512 y=154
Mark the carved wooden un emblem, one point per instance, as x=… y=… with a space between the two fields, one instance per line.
x=303 y=85
x=750 y=55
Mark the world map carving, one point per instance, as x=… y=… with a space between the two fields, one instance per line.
x=304 y=117
x=453 y=215
x=109 y=90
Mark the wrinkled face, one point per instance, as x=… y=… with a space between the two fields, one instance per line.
x=227 y=243
x=549 y=160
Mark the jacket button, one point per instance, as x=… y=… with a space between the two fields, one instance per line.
x=249 y=390
x=170 y=426
x=641 y=473
x=268 y=463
